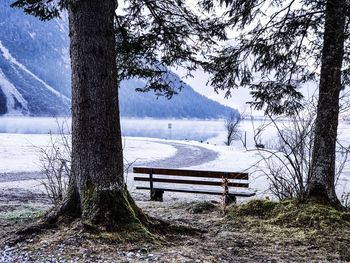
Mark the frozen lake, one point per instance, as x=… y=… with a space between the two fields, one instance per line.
x=206 y=131
x=163 y=129
x=196 y=130
x=174 y=129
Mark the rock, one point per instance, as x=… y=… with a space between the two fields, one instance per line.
x=143 y=250
x=9 y=249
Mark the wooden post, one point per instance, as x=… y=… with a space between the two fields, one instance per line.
x=156 y=195
x=226 y=189
x=227 y=198
x=151 y=184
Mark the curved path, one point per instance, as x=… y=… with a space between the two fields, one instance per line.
x=186 y=156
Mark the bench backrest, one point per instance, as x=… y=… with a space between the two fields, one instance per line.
x=242 y=177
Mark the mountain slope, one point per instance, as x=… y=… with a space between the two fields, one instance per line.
x=187 y=104
x=24 y=92
x=35 y=75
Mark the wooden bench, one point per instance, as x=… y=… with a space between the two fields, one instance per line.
x=227 y=181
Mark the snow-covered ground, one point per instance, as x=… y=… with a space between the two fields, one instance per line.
x=21 y=152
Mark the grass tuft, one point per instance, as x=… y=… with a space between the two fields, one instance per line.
x=310 y=224
x=201 y=207
x=290 y=213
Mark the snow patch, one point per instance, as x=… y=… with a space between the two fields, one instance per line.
x=12 y=94
x=32 y=35
x=7 y=55
x=62 y=23
x=21 y=152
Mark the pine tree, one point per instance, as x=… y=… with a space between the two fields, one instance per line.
x=106 y=48
x=279 y=45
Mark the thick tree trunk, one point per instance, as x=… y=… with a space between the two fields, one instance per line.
x=97 y=191
x=321 y=185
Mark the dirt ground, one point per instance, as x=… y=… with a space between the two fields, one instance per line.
x=203 y=234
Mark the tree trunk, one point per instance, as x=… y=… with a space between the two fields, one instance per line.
x=321 y=185
x=97 y=191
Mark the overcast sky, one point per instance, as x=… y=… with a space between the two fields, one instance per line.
x=199 y=83
x=239 y=97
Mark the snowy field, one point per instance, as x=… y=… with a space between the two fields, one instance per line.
x=21 y=152
x=19 y=149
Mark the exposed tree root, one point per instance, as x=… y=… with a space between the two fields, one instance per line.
x=318 y=194
x=107 y=215
x=112 y=212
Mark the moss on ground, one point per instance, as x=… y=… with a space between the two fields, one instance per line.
x=258 y=231
x=21 y=214
x=315 y=225
x=293 y=214
x=201 y=207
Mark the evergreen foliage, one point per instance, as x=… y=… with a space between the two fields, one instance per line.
x=152 y=36
x=155 y=35
x=280 y=45
x=277 y=47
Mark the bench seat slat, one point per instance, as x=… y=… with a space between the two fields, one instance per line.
x=190 y=173
x=179 y=181
x=242 y=194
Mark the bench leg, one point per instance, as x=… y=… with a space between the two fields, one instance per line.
x=229 y=199
x=157 y=195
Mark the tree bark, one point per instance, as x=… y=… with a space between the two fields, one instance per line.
x=321 y=185
x=97 y=191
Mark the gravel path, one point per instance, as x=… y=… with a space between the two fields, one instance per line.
x=20 y=176
x=186 y=156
